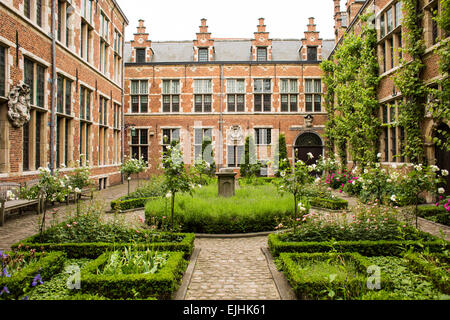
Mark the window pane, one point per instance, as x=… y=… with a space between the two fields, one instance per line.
x=308 y=102
x=144 y=153
x=382 y=26
x=29 y=77
x=231 y=156
x=258 y=102
x=82 y=102
x=40 y=87
x=389 y=20
x=294 y=107
x=284 y=86
x=317 y=103
x=175 y=87
x=68 y=106
x=144 y=87
x=317 y=86
x=134 y=104
x=166 y=87
x=88 y=105
x=144 y=136
x=207 y=103
x=267 y=85
x=203 y=54
x=293 y=86
x=2 y=70
x=134 y=87
x=311 y=53
x=140 y=55
x=261 y=54
x=144 y=104
x=398 y=13
x=240 y=86
x=231 y=86
x=198 y=136
x=267 y=102
x=308 y=86
x=284 y=103
x=258 y=85
x=176 y=135
x=60 y=94
x=175 y=103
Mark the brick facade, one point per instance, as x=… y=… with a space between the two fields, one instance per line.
x=80 y=66
x=180 y=62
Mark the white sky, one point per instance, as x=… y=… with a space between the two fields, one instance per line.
x=180 y=19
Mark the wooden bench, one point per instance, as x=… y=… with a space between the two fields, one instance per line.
x=9 y=190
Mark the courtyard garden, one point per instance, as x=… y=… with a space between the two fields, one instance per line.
x=325 y=247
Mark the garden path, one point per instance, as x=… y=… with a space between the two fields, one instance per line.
x=19 y=227
x=232 y=269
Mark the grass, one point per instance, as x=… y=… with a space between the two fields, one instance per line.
x=252 y=209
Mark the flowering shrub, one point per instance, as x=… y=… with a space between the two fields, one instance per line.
x=55 y=188
x=133 y=166
x=80 y=178
x=326 y=165
x=372 y=222
x=293 y=183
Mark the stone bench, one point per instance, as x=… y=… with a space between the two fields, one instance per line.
x=10 y=200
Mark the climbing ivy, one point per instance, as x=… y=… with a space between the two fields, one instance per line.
x=351 y=101
x=440 y=107
x=409 y=82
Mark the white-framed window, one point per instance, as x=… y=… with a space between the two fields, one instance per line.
x=235 y=155
x=263 y=136
x=203 y=95
x=262 y=95
x=200 y=135
x=139 y=96
x=235 y=95
x=203 y=54
x=171 y=95
x=261 y=54
x=139 y=144
x=170 y=135
x=313 y=95
x=289 y=95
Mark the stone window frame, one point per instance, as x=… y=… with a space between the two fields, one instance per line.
x=390 y=40
x=139 y=144
x=203 y=54
x=265 y=51
x=103 y=106
x=289 y=94
x=392 y=136
x=198 y=144
x=203 y=96
x=116 y=128
x=432 y=32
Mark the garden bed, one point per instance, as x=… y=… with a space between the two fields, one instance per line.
x=159 y=241
x=346 y=276
x=252 y=209
x=435 y=214
x=35 y=267
x=160 y=284
x=129 y=204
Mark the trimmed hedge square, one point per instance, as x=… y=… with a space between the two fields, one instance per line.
x=309 y=285
x=95 y=249
x=160 y=285
x=439 y=274
x=364 y=247
x=332 y=204
x=122 y=205
x=48 y=265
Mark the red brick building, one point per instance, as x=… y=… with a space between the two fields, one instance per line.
x=76 y=84
x=224 y=89
x=391 y=34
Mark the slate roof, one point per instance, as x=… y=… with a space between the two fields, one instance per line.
x=226 y=50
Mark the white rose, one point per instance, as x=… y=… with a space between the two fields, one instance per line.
x=379 y=155
x=444 y=173
x=393 y=198
x=434 y=168
x=441 y=190
x=77 y=190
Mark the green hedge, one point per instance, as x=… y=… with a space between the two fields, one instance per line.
x=333 y=204
x=95 y=249
x=435 y=214
x=306 y=286
x=439 y=275
x=48 y=265
x=161 y=284
x=367 y=248
x=122 y=205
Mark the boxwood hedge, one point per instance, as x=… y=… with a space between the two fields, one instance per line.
x=435 y=214
x=48 y=265
x=332 y=204
x=308 y=286
x=161 y=284
x=438 y=273
x=95 y=249
x=367 y=248
x=122 y=205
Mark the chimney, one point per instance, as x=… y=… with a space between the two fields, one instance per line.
x=337 y=7
x=311 y=25
x=141 y=27
x=261 y=26
x=203 y=26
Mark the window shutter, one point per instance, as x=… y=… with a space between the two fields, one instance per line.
x=230 y=156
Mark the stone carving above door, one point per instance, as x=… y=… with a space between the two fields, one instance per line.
x=19 y=105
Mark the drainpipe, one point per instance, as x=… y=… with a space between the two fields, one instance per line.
x=122 y=145
x=221 y=120
x=53 y=91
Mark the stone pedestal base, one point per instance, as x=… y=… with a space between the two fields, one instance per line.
x=226 y=182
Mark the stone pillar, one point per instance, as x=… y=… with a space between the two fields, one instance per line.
x=226 y=182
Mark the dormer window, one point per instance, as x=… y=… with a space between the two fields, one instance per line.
x=261 y=54
x=140 y=55
x=312 y=53
x=203 y=54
